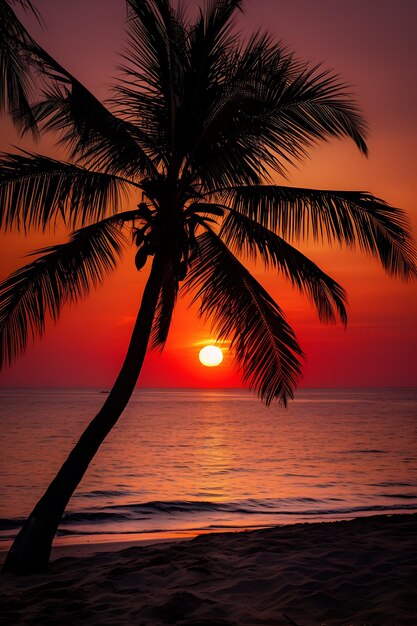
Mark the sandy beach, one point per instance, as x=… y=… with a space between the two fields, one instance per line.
x=354 y=572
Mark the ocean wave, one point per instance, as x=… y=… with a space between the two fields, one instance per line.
x=363 y=451
x=242 y=511
x=393 y=483
x=400 y=496
x=97 y=531
x=10 y=524
x=102 y=493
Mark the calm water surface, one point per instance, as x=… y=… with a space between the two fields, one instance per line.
x=183 y=461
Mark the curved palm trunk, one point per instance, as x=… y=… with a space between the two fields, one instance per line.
x=31 y=548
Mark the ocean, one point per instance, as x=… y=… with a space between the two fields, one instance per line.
x=185 y=461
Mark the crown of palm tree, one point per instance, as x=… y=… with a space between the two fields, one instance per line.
x=198 y=125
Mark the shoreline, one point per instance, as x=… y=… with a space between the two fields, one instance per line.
x=74 y=545
x=79 y=545
x=89 y=548
x=345 y=572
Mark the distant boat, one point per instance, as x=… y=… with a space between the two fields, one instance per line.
x=107 y=392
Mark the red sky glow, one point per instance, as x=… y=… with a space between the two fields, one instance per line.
x=373 y=46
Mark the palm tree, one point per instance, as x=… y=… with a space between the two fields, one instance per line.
x=198 y=124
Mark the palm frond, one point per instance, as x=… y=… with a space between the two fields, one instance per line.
x=174 y=70
x=28 y=7
x=155 y=64
x=308 y=105
x=240 y=309
x=153 y=27
x=86 y=126
x=211 y=39
x=63 y=274
x=35 y=190
x=165 y=308
x=247 y=237
x=262 y=109
x=218 y=141
x=16 y=81
x=352 y=218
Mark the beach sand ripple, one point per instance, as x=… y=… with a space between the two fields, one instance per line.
x=355 y=572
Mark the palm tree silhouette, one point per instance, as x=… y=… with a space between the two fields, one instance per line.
x=199 y=123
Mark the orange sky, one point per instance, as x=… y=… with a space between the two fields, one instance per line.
x=372 y=45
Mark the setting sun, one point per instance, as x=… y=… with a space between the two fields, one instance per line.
x=210 y=356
